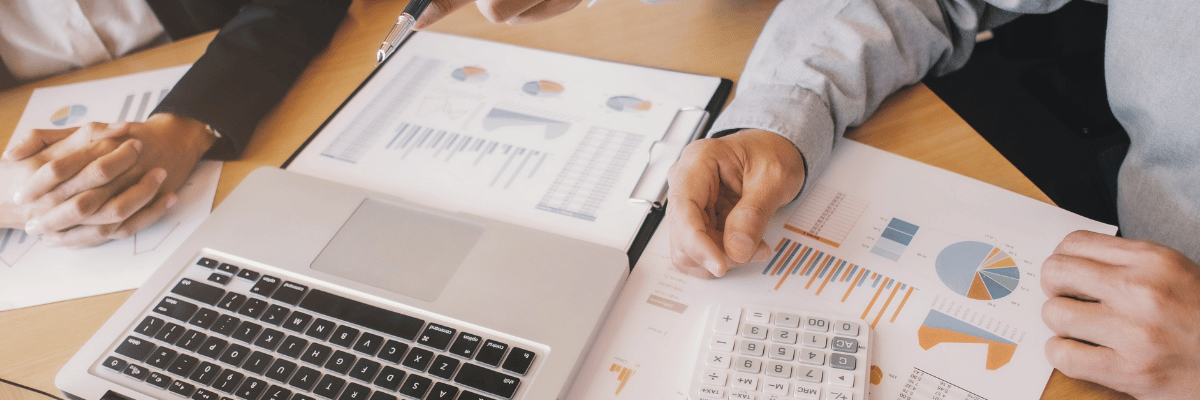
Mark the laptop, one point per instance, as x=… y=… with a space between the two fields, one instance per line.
x=298 y=288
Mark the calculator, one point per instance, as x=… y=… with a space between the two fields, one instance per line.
x=752 y=352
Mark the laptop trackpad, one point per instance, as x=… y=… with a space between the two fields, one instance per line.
x=404 y=250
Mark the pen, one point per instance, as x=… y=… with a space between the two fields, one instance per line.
x=404 y=25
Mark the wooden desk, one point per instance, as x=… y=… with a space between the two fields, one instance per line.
x=712 y=37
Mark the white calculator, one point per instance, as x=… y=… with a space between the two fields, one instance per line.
x=751 y=352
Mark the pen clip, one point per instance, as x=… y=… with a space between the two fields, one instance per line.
x=687 y=126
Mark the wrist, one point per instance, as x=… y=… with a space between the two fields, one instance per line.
x=193 y=137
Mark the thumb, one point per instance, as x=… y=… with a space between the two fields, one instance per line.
x=99 y=131
x=437 y=10
x=746 y=223
x=21 y=147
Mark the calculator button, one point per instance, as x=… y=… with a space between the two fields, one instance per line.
x=810 y=374
x=787 y=320
x=751 y=331
x=815 y=341
x=807 y=392
x=846 y=328
x=751 y=348
x=838 y=394
x=747 y=364
x=727 y=320
x=711 y=393
x=758 y=316
x=747 y=382
x=719 y=360
x=779 y=370
x=721 y=343
x=816 y=324
x=813 y=357
x=714 y=377
x=781 y=352
x=841 y=378
x=741 y=395
x=843 y=361
x=845 y=345
x=784 y=336
x=776 y=386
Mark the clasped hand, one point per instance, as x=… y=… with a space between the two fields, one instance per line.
x=80 y=187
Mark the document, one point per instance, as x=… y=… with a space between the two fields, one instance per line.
x=944 y=268
x=547 y=140
x=32 y=273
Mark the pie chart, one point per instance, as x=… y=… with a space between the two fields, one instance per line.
x=470 y=74
x=977 y=270
x=542 y=88
x=628 y=104
x=68 y=115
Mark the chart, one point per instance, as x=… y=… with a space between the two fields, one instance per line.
x=826 y=215
x=470 y=74
x=500 y=118
x=69 y=115
x=543 y=88
x=978 y=270
x=628 y=104
x=583 y=184
x=895 y=239
x=940 y=328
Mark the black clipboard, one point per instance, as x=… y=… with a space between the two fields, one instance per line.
x=688 y=125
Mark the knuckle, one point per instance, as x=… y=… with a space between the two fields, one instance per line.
x=494 y=11
x=59 y=169
x=117 y=232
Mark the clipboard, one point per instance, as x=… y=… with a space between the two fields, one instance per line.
x=686 y=123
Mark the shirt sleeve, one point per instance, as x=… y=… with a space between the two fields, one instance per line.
x=249 y=66
x=821 y=66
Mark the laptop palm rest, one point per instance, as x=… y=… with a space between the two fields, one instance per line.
x=403 y=250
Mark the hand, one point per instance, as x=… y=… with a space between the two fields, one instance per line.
x=1127 y=315
x=722 y=194
x=512 y=12
x=171 y=147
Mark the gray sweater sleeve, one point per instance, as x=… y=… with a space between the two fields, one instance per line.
x=821 y=66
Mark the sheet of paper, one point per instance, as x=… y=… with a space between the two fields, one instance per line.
x=943 y=267
x=32 y=273
x=546 y=140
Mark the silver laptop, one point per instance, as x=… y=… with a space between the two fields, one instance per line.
x=297 y=288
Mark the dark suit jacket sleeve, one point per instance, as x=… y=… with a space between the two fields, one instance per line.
x=250 y=65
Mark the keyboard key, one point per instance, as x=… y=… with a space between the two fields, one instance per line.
x=316 y=354
x=247 y=331
x=251 y=389
x=469 y=395
x=228 y=268
x=248 y=275
x=368 y=343
x=274 y=315
x=340 y=362
x=487 y=380
x=290 y=293
x=212 y=347
x=293 y=346
x=201 y=292
x=281 y=370
x=219 y=278
x=226 y=325
x=491 y=353
x=232 y=301
x=519 y=360
x=297 y=321
x=302 y=396
x=235 y=354
x=115 y=363
x=134 y=348
x=390 y=378
x=442 y=391
x=364 y=370
x=305 y=378
x=136 y=372
x=344 y=336
x=158 y=380
x=253 y=308
x=258 y=362
x=207 y=262
x=183 y=365
x=175 y=308
x=182 y=388
x=444 y=367
x=436 y=336
x=191 y=340
x=206 y=373
x=277 y=392
x=265 y=286
x=170 y=333
x=269 y=339
x=466 y=345
x=150 y=326
x=418 y=359
x=393 y=351
x=205 y=394
x=205 y=318
x=321 y=329
x=416 y=386
x=362 y=314
x=228 y=381
x=355 y=391
x=161 y=358
x=329 y=387
x=380 y=396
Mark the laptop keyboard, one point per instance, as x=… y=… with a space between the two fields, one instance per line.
x=223 y=333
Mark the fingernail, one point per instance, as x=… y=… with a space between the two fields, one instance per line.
x=160 y=176
x=34 y=227
x=171 y=202
x=714 y=268
x=19 y=197
x=740 y=248
x=762 y=254
x=137 y=145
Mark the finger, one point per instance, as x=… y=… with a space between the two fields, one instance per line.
x=98 y=131
x=544 y=10
x=93 y=235
x=1078 y=278
x=747 y=221
x=1100 y=247
x=23 y=146
x=690 y=239
x=126 y=203
x=58 y=170
x=437 y=10
x=77 y=209
x=100 y=169
x=1082 y=320
x=1082 y=361
x=502 y=11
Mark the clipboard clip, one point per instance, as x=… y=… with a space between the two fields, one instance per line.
x=687 y=126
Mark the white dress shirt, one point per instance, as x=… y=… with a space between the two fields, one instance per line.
x=44 y=37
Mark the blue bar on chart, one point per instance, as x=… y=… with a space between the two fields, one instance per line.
x=895 y=239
